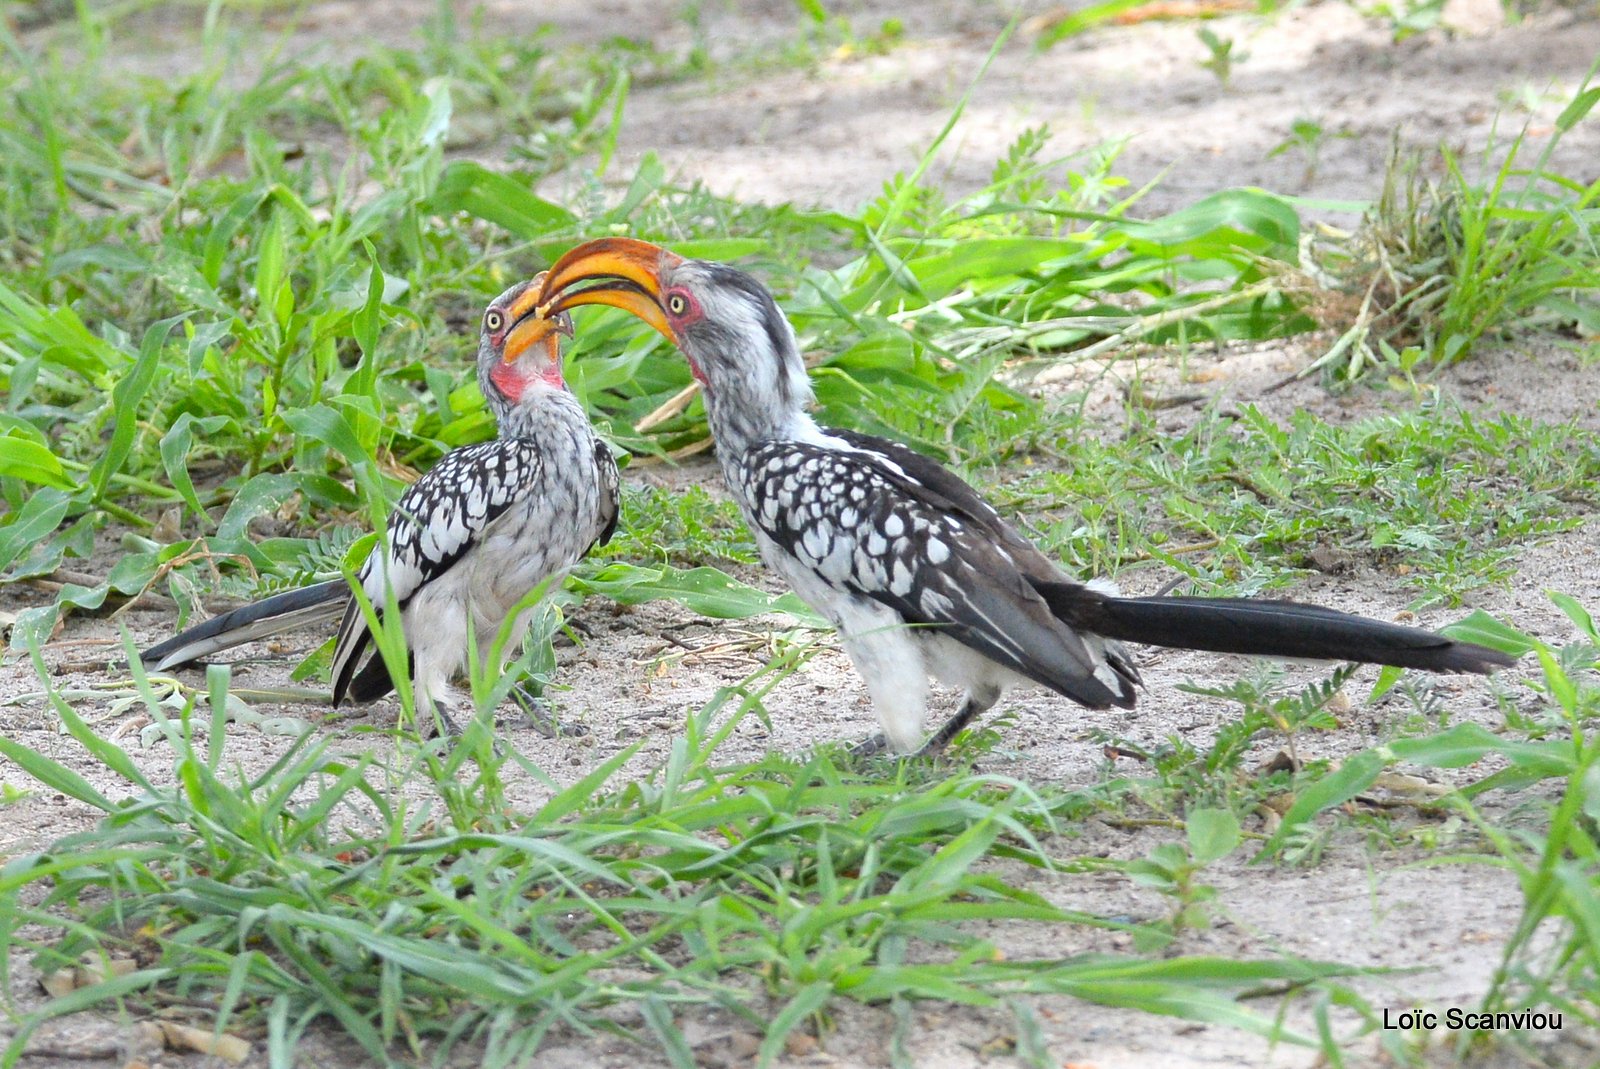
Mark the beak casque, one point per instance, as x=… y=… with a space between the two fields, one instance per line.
x=531 y=324
x=631 y=274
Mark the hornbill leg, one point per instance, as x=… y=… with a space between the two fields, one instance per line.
x=434 y=702
x=536 y=711
x=447 y=723
x=979 y=700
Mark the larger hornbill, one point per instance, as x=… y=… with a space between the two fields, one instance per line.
x=919 y=574
x=471 y=538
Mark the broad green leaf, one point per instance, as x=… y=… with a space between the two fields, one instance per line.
x=989 y=259
x=188 y=286
x=1485 y=630
x=205 y=339
x=271 y=265
x=33 y=626
x=53 y=774
x=501 y=199
x=32 y=462
x=1245 y=219
x=323 y=424
x=881 y=351
x=1559 y=684
x=1580 y=106
x=435 y=112
x=224 y=227
x=365 y=327
x=1466 y=744
x=1577 y=614
x=30 y=525
x=57 y=335
x=261 y=494
x=175 y=445
x=1212 y=833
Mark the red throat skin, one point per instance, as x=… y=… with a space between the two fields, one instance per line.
x=509 y=380
x=694 y=369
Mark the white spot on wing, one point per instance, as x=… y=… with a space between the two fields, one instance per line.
x=900 y=579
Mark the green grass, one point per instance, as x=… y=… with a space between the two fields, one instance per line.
x=229 y=312
x=773 y=889
x=1438 y=498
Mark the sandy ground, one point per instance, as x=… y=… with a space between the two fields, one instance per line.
x=833 y=134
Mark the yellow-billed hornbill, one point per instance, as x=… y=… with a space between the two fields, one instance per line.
x=919 y=574
x=471 y=538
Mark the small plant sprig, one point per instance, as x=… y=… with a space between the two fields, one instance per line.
x=1222 y=57
x=1437 y=266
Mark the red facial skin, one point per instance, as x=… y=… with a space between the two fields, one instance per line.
x=691 y=313
x=512 y=373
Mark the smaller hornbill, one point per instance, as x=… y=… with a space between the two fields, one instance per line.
x=470 y=539
x=918 y=573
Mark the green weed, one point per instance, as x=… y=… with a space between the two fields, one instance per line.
x=1437 y=266
x=1438 y=498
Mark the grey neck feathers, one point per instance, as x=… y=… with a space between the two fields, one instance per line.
x=543 y=410
x=757 y=393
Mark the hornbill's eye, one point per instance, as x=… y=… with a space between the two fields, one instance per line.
x=493 y=320
x=677 y=304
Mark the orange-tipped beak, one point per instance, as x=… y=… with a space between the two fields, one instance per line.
x=531 y=325
x=629 y=272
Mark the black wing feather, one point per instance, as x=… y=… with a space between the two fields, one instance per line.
x=610 y=492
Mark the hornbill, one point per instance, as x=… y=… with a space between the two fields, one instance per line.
x=918 y=573
x=469 y=539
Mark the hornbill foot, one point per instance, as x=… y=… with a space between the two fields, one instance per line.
x=577 y=626
x=436 y=724
x=536 y=711
x=436 y=720
x=871 y=746
x=878 y=746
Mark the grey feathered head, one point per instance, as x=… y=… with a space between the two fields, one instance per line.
x=519 y=345
x=739 y=344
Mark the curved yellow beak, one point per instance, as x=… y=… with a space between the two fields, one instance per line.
x=629 y=275
x=531 y=324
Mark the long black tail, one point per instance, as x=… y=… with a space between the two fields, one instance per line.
x=1265 y=628
x=323 y=602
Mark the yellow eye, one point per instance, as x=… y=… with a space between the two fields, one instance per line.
x=677 y=304
x=493 y=320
